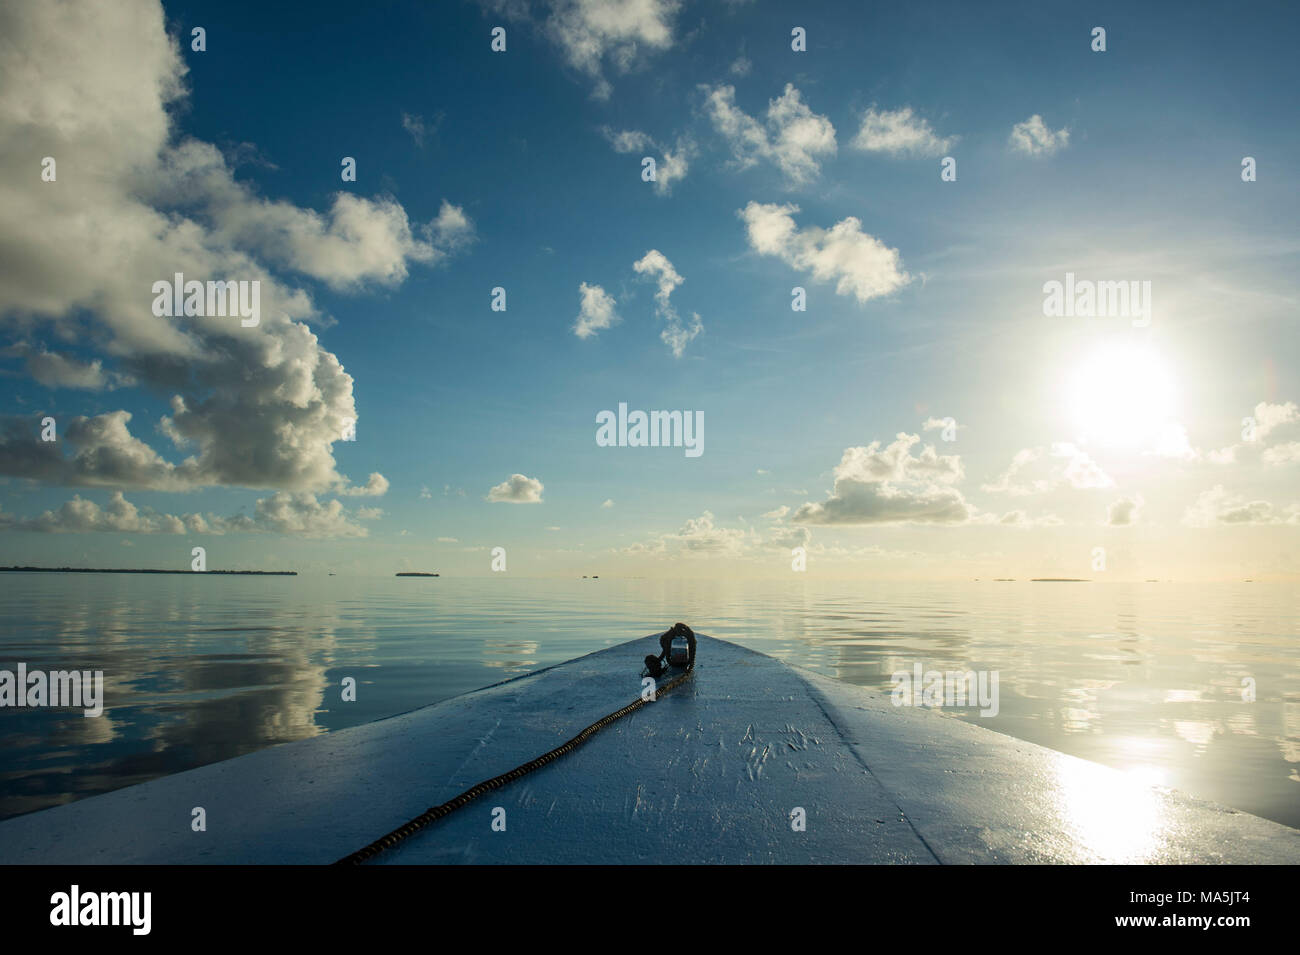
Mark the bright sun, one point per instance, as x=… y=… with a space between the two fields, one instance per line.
x=1121 y=396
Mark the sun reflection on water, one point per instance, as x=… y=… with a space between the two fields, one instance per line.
x=1116 y=815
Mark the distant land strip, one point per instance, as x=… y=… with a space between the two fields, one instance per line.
x=116 y=570
x=414 y=573
x=1059 y=580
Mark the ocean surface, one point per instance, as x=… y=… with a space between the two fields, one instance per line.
x=1151 y=678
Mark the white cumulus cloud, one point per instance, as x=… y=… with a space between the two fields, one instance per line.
x=900 y=133
x=252 y=407
x=880 y=484
x=1033 y=138
x=517 y=489
x=859 y=264
x=595 y=310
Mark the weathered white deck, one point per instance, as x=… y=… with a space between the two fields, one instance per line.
x=709 y=773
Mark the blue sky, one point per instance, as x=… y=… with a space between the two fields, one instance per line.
x=478 y=169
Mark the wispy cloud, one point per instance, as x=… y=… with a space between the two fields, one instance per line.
x=794 y=138
x=1037 y=471
x=672 y=162
x=594 y=36
x=420 y=129
x=675 y=334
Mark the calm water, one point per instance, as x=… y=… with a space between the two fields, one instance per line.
x=1143 y=677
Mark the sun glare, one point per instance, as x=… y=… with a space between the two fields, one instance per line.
x=1121 y=396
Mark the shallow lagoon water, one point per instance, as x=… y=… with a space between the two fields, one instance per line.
x=1145 y=677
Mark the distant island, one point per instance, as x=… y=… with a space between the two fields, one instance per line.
x=146 y=570
x=414 y=573
x=1059 y=580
